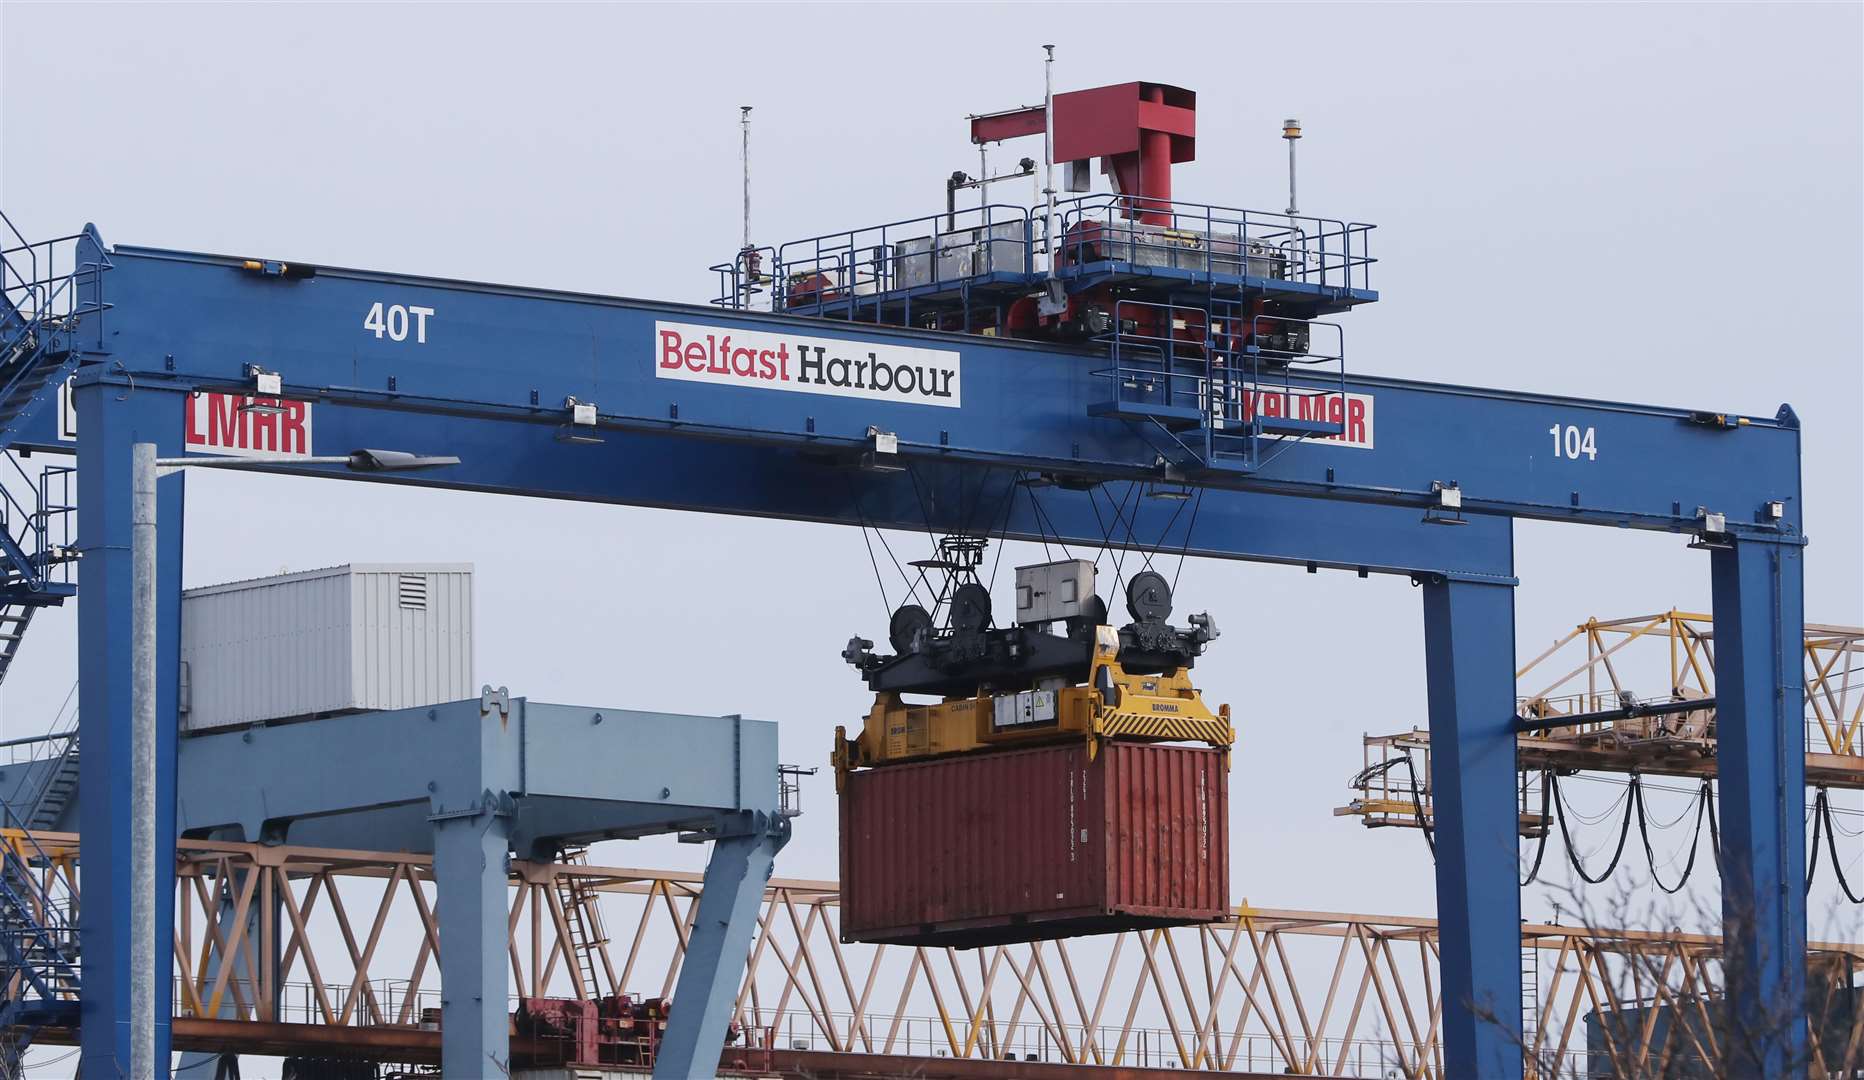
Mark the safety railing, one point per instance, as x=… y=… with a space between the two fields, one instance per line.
x=1244 y=377
x=1026 y=1040
x=1696 y=723
x=835 y=273
x=1839 y=736
x=790 y=789
x=38 y=919
x=1214 y=243
x=46 y=286
x=745 y=278
x=394 y=1001
x=25 y=789
x=31 y=748
x=42 y=530
x=880 y=272
x=1286 y=377
x=1034 y=1041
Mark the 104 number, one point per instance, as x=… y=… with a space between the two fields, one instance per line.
x=1573 y=442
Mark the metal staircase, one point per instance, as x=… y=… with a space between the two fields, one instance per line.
x=583 y=918
x=35 y=546
x=51 y=308
x=39 y=968
x=55 y=796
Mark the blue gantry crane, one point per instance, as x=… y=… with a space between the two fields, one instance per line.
x=1024 y=362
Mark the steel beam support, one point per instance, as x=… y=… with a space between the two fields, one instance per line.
x=1469 y=662
x=1018 y=404
x=734 y=889
x=1761 y=757
x=471 y=872
x=195 y=1062
x=113 y=418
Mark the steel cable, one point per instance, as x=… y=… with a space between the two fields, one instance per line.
x=1120 y=518
x=1106 y=535
x=1605 y=814
x=1566 y=836
x=1715 y=835
x=1186 y=546
x=1164 y=533
x=1003 y=529
x=1041 y=529
x=1417 y=805
x=1695 y=841
x=861 y=513
x=1540 y=849
x=1366 y=775
x=1821 y=824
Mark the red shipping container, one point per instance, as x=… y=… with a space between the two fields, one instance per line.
x=1023 y=845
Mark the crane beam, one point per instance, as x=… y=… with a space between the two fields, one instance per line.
x=698 y=372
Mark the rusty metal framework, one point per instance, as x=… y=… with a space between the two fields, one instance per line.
x=288 y=943
x=1666 y=657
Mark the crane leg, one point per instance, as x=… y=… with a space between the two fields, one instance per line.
x=1469 y=660
x=721 y=938
x=1761 y=759
x=471 y=872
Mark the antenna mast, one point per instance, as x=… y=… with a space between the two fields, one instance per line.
x=1048 y=154
x=744 y=125
x=1291 y=130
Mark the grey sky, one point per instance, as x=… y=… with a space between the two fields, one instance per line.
x=1655 y=203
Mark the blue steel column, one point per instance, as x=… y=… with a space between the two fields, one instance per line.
x=715 y=953
x=1761 y=759
x=471 y=879
x=192 y=1062
x=1469 y=662
x=112 y=416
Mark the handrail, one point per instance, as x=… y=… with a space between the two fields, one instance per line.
x=49 y=917
x=35 y=538
x=853 y=263
x=38 y=296
x=1313 y=250
x=1215 y=363
x=832 y=273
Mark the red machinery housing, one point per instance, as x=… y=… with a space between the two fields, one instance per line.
x=620 y=1029
x=1138 y=130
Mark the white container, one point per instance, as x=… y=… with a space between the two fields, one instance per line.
x=343 y=639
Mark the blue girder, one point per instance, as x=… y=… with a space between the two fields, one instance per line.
x=496 y=352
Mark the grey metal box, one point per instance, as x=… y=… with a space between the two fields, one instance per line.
x=965 y=253
x=1050 y=591
x=1191 y=249
x=1022 y=709
x=342 y=639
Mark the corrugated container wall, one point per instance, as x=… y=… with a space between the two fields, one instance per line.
x=984 y=848
x=378 y=636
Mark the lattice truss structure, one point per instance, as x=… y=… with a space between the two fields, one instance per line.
x=285 y=949
x=1620 y=665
